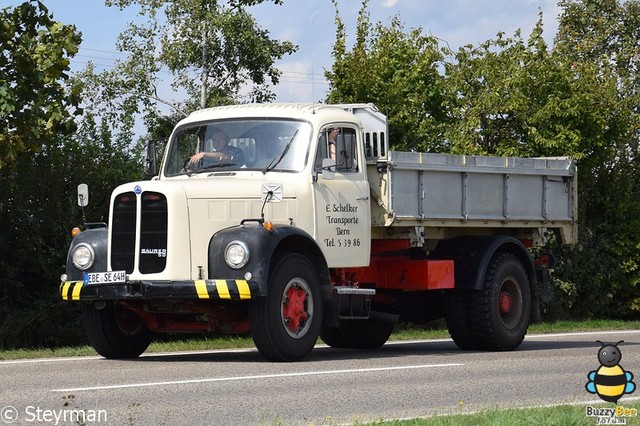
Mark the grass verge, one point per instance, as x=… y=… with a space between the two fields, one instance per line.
x=226 y=342
x=556 y=415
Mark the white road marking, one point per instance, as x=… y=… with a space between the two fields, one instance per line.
x=45 y=360
x=581 y=333
x=147 y=355
x=254 y=377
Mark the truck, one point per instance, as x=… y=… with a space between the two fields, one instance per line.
x=318 y=230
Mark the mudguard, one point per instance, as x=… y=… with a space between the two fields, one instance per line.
x=472 y=255
x=97 y=239
x=264 y=247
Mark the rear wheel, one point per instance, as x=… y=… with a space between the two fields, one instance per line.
x=115 y=332
x=285 y=324
x=458 y=319
x=500 y=311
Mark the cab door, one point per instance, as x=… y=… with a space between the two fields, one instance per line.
x=342 y=210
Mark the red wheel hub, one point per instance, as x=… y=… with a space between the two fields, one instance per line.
x=293 y=309
x=505 y=303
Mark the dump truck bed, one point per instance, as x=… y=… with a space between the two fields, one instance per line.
x=445 y=191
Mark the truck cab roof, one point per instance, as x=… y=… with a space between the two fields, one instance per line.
x=318 y=113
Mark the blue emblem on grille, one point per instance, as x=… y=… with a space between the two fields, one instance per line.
x=137 y=189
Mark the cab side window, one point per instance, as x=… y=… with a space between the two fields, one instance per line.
x=338 y=143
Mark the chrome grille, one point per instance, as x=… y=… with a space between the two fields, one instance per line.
x=153 y=232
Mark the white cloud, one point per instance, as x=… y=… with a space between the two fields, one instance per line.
x=389 y=3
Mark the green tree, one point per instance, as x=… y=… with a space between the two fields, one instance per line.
x=38 y=209
x=606 y=32
x=396 y=70
x=42 y=162
x=212 y=49
x=517 y=97
x=604 y=270
x=36 y=99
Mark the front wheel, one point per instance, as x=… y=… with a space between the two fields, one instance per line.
x=285 y=324
x=115 y=332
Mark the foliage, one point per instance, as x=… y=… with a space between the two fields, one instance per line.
x=211 y=49
x=605 y=268
x=36 y=101
x=518 y=96
x=37 y=211
x=159 y=128
x=398 y=72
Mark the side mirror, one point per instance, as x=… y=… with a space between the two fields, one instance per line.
x=328 y=169
x=151 y=160
x=83 y=195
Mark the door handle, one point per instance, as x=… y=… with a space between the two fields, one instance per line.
x=362 y=198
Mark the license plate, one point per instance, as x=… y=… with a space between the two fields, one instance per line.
x=111 y=277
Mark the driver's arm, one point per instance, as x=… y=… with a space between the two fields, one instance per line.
x=217 y=156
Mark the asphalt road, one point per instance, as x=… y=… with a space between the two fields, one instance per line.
x=332 y=386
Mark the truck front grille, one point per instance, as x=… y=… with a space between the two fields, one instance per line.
x=123 y=232
x=153 y=232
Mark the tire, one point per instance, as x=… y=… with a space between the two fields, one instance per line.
x=114 y=332
x=366 y=334
x=458 y=319
x=358 y=334
x=285 y=324
x=333 y=337
x=500 y=311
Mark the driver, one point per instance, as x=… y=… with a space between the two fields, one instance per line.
x=221 y=152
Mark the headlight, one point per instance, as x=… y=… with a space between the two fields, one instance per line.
x=236 y=254
x=83 y=256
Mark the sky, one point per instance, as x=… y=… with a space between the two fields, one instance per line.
x=310 y=25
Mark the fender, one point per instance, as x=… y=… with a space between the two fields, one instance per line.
x=97 y=239
x=472 y=255
x=264 y=247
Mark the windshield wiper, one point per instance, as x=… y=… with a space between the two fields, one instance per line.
x=277 y=159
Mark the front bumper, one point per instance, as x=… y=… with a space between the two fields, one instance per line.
x=162 y=290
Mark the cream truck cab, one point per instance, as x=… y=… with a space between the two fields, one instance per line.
x=312 y=227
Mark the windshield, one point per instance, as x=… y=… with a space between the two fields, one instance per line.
x=266 y=145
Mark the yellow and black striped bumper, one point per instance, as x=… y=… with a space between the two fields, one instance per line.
x=152 y=290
